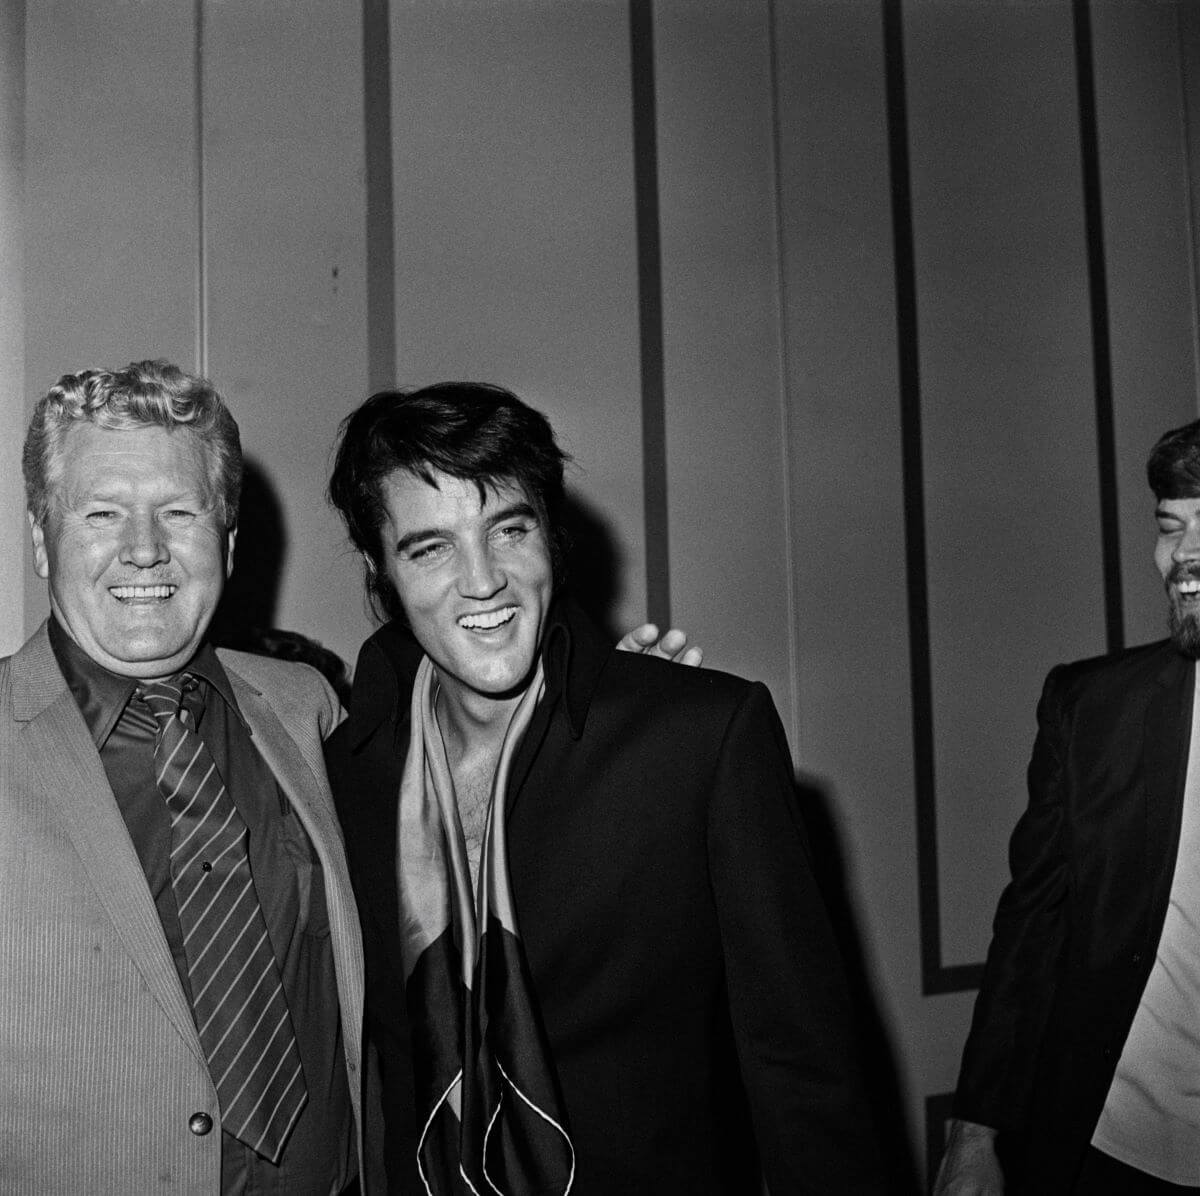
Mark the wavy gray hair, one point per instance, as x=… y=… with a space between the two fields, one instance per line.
x=144 y=394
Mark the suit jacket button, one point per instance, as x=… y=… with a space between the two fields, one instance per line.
x=199 y=1124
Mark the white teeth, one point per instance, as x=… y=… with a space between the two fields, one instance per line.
x=1188 y=587
x=487 y=620
x=136 y=592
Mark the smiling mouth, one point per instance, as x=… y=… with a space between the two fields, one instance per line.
x=156 y=593
x=488 y=620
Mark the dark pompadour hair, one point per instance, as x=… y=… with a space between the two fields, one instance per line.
x=1173 y=470
x=468 y=430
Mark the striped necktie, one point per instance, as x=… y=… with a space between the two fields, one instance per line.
x=237 y=994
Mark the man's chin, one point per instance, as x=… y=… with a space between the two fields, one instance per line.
x=1185 y=633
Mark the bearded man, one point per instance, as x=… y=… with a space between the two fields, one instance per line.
x=1079 y=1074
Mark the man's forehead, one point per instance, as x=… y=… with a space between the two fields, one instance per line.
x=483 y=492
x=93 y=457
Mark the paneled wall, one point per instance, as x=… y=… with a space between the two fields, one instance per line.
x=858 y=316
x=12 y=319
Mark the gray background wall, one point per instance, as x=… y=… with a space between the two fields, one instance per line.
x=858 y=316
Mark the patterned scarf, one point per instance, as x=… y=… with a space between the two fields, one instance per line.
x=487 y=1102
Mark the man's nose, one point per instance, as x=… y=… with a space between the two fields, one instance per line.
x=481 y=575
x=143 y=543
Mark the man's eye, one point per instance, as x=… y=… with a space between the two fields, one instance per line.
x=179 y=514
x=101 y=516
x=427 y=552
x=512 y=531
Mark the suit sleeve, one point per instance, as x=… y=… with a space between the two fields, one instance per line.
x=788 y=996
x=1028 y=934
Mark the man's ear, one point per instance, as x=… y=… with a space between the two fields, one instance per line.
x=41 y=561
x=230 y=538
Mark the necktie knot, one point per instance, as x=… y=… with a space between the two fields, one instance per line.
x=178 y=695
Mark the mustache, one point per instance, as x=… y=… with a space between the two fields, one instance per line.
x=1180 y=572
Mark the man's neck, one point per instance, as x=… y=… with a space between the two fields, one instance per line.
x=472 y=724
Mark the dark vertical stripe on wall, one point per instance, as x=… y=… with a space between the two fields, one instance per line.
x=381 y=250
x=650 y=329
x=201 y=193
x=934 y=977
x=1106 y=452
x=937 y=1113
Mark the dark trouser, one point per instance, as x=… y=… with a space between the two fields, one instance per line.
x=1102 y=1175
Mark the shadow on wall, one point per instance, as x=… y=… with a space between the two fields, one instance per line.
x=245 y=618
x=819 y=812
x=595 y=566
x=252 y=593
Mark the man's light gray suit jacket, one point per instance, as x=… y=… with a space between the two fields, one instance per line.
x=100 y=1064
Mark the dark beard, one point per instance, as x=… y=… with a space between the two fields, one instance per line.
x=1185 y=631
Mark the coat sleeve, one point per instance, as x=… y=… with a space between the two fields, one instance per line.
x=788 y=996
x=1028 y=935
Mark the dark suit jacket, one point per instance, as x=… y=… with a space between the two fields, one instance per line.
x=681 y=955
x=1077 y=927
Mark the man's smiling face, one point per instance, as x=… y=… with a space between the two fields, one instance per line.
x=133 y=546
x=474 y=578
x=1177 y=555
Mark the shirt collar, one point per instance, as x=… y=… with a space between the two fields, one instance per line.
x=102 y=695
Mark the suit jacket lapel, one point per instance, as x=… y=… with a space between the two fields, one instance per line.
x=303 y=789
x=55 y=739
x=291 y=770
x=1165 y=756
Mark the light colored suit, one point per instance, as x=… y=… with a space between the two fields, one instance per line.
x=100 y=1065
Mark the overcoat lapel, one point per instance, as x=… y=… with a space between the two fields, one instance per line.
x=1165 y=756
x=54 y=743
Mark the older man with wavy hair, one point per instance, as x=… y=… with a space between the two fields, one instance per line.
x=181 y=999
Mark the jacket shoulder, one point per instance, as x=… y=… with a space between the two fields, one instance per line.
x=1117 y=672
x=651 y=682
x=290 y=686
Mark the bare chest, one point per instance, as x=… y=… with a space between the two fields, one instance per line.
x=472 y=793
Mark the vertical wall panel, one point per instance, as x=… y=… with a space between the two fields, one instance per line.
x=285 y=229
x=1141 y=118
x=12 y=322
x=721 y=320
x=515 y=239
x=111 y=248
x=848 y=535
x=1011 y=490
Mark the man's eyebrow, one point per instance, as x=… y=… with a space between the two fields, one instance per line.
x=410 y=538
x=514 y=510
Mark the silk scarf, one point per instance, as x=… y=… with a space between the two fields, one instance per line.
x=488 y=1109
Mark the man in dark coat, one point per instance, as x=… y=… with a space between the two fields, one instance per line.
x=597 y=959
x=1080 y=1069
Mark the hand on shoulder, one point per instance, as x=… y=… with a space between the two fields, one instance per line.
x=970 y=1166
x=672 y=646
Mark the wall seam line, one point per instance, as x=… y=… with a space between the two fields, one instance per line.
x=784 y=388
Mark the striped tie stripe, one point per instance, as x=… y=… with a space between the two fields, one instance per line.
x=238 y=1000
